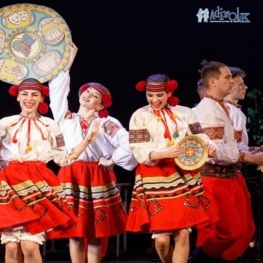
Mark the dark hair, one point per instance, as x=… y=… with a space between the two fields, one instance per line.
x=211 y=70
x=237 y=72
x=157 y=78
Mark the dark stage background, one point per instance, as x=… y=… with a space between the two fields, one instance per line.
x=123 y=42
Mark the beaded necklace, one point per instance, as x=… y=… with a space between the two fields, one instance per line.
x=160 y=114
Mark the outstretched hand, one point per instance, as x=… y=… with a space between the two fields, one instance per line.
x=91 y=137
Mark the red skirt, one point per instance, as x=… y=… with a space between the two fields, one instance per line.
x=39 y=188
x=96 y=200
x=167 y=198
x=13 y=210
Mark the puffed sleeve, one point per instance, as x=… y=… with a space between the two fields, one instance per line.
x=2 y=130
x=59 y=152
x=140 y=140
x=195 y=128
x=59 y=90
x=219 y=129
x=118 y=138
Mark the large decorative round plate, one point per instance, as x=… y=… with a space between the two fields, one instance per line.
x=195 y=153
x=34 y=43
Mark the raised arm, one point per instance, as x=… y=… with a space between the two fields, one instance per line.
x=59 y=90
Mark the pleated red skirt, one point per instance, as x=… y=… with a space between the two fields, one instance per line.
x=92 y=191
x=40 y=189
x=167 y=198
x=13 y=210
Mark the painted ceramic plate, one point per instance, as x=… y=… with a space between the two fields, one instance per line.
x=195 y=153
x=34 y=43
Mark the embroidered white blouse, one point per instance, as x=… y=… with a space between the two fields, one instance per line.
x=149 y=131
x=38 y=139
x=218 y=126
x=239 y=122
x=112 y=141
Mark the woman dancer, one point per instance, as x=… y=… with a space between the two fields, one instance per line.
x=89 y=182
x=28 y=141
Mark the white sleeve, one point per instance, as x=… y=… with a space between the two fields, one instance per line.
x=141 y=142
x=2 y=130
x=195 y=128
x=59 y=90
x=221 y=132
x=243 y=145
x=118 y=137
x=59 y=152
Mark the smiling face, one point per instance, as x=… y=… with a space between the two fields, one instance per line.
x=15 y=18
x=91 y=99
x=157 y=100
x=29 y=101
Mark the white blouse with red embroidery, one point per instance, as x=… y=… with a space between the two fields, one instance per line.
x=220 y=129
x=38 y=139
x=112 y=141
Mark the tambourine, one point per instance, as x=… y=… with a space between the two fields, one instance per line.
x=34 y=43
x=195 y=153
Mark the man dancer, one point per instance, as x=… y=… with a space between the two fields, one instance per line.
x=227 y=239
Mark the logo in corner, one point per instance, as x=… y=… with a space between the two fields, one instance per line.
x=203 y=15
x=220 y=15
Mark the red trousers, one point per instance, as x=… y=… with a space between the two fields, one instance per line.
x=230 y=236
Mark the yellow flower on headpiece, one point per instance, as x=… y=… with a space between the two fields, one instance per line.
x=159 y=118
x=174 y=116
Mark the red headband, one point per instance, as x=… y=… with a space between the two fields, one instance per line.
x=168 y=86
x=105 y=97
x=155 y=87
x=32 y=84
